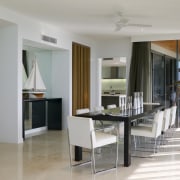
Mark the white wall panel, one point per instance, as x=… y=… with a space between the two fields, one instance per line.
x=9 y=74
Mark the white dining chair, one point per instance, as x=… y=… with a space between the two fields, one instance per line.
x=165 y=124
x=111 y=106
x=87 y=110
x=153 y=131
x=166 y=120
x=172 y=122
x=81 y=133
x=149 y=118
x=173 y=116
x=151 y=103
x=106 y=126
x=120 y=124
x=82 y=110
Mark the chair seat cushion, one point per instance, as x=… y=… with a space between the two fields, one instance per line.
x=104 y=139
x=145 y=124
x=105 y=126
x=142 y=131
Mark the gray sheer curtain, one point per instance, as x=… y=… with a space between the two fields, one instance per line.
x=140 y=75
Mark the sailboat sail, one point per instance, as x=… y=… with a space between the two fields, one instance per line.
x=24 y=75
x=34 y=82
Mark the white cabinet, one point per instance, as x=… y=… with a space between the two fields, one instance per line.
x=114 y=72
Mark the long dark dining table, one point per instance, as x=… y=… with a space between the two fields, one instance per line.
x=116 y=115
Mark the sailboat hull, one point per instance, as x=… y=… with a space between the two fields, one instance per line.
x=38 y=95
x=33 y=94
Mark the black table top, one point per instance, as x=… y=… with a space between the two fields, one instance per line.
x=121 y=115
x=39 y=99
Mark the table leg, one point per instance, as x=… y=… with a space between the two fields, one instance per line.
x=23 y=120
x=78 y=153
x=127 y=143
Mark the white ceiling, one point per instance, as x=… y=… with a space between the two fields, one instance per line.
x=96 y=17
x=4 y=23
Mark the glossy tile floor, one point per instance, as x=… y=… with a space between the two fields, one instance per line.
x=46 y=157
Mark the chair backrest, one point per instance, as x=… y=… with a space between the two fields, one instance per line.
x=151 y=103
x=166 y=119
x=173 y=115
x=79 y=131
x=111 y=106
x=157 y=123
x=99 y=108
x=82 y=111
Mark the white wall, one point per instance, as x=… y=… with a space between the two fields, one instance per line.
x=10 y=105
x=121 y=47
x=105 y=48
x=61 y=81
x=114 y=48
x=30 y=30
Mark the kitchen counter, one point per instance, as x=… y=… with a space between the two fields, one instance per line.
x=119 y=95
x=107 y=99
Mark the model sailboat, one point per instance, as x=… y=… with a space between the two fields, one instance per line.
x=34 y=83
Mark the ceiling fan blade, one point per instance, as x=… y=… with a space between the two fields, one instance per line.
x=118 y=27
x=139 y=25
x=122 y=21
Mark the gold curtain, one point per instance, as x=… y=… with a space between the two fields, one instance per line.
x=80 y=76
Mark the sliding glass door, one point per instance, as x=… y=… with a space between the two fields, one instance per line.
x=164 y=71
x=158 y=73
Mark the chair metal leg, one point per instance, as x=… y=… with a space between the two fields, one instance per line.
x=70 y=154
x=93 y=161
x=70 y=150
x=163 y=138
x=155 y=146
x=135 y=142
x=117 y=152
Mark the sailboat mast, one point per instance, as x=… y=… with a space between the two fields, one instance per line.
x=35 y=74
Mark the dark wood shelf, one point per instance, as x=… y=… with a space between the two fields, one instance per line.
x=45 y=112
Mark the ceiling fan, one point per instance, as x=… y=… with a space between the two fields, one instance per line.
x=121 y=22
